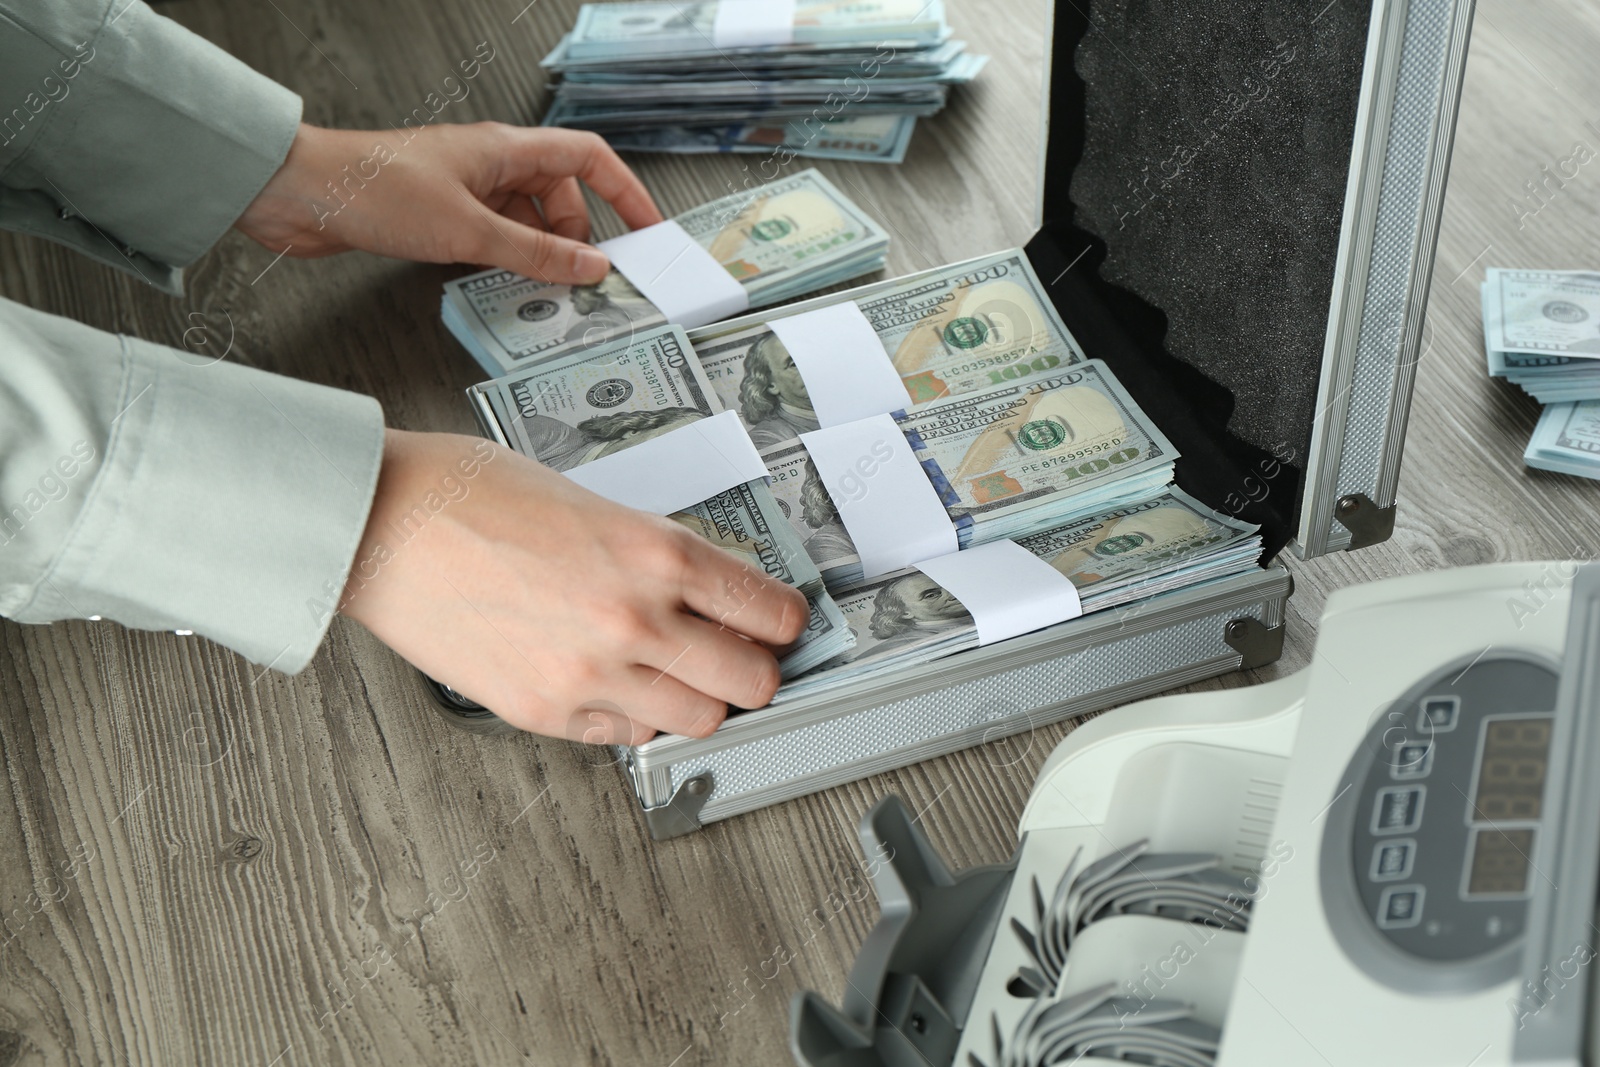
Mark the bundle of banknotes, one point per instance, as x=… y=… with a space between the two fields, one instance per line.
x=650 y=76
x=572 y=410
x=1541 y=331
x=1117 y=556
x=1567 y=439
x=1021 y=436
x=792 y=236
x=869 y=138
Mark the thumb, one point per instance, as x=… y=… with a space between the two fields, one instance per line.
x=537 y=254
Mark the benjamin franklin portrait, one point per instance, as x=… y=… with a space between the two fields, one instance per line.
x=772 y=395
x=562 y=447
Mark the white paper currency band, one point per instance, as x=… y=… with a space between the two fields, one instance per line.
x=884 y=498
x=1007 y=589
x=704 y=458
x=753 y=23
x=676 y=275
x=847 y=373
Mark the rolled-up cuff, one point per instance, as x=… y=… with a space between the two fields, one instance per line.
x=230 y=503
x=158 y=144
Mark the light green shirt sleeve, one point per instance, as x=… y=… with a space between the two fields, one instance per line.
x=140 y=483
x=150 y=486
x=127 y=137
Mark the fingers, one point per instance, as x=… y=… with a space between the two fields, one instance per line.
x=548 y=152
x=525 y=250
x=714 y=661
x=604 y=722
x=640 y=704
x=653 y=700
x=550 y=163
x=521 y=209
x=565 y=213
x=626 y=709
x=720 y=587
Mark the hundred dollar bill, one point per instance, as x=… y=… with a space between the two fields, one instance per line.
x=1021 y=458
x=1112 y=557
x=826 y=636
x=1567 y=439
x=594 y=404
x=1549 y=376
x=956 y=330
x=570 y=411
x=1563 y=389
x=665 y=27
x=1542 y=312
x=868 y=139
x=782 y=239
x=1106 y=551
x=610 y=117
x=811 y=512
x=1005 y=463
x=775 y=237
x=690 y=93
x=747 y=521
x=777 y=72
x=946 y=61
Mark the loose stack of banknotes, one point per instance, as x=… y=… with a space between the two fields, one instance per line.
x=792 y=236
x=1541 y=330
x=1020 y=434
x=649 y=76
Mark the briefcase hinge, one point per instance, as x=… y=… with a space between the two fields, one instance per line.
x=1256 y=644
x=681 y=814
x=1367 y=522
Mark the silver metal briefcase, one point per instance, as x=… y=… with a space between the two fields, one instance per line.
x=1239 y=207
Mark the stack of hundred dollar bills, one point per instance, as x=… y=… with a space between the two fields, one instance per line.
x=648 y=76
x=573 y=409
x=1541 y=330
x=791 y=236
x=1021 y=435
x=1116 y=558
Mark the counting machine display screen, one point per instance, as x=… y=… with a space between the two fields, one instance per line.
x=1511 y=769
x=1451 y=792
x=1510 y=790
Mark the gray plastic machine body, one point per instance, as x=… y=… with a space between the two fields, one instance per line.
x=1448 y=723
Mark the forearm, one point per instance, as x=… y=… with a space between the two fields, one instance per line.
x=140 y=485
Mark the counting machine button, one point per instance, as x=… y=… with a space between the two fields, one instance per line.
x=1400 y=907
x=1412 y=760
x=1392 y=860
x=1398 y=809
x=1439 y=714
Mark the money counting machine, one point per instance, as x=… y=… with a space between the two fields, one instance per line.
x=1239 y=205
x=1388 y=859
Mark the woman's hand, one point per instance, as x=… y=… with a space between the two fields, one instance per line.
x=557 y=609
x=506 y=196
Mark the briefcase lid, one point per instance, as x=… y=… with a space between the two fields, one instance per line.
x=1239 y=207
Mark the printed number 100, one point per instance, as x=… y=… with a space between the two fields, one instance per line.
x=1022 y=370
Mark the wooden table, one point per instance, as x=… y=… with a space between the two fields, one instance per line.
x=207 y=863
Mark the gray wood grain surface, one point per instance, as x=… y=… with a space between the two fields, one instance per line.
x=203 y=863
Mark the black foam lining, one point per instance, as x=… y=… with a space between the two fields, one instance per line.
x=1196 y=161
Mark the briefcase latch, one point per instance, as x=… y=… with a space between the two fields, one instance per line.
x=1257 y=645
x=681 y=814
x=1367 y=522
